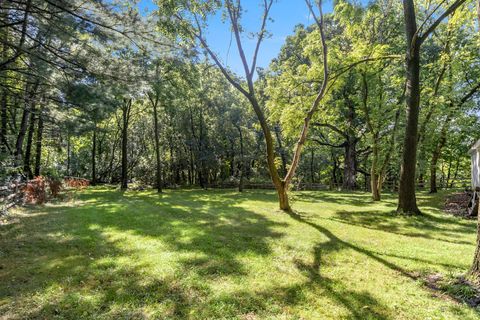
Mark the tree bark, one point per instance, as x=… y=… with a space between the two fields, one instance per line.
x=157 y=143
x=350 y=165
x=312 y=161
x=38 y=150
x=126 y=108
x=374 y=173
x=242 y=160
x=407 y=201
x=28 y=148
x=475 y=269
x=68 y=154
x=280 y=149
x=94 y=156
x=3 y=123
x=29 y=104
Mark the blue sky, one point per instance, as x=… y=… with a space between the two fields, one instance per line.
x=285 y=13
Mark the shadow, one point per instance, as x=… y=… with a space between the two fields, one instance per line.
x=76 y=260
x=139 y=254
x=445 y=227
x=335 y=244
x=361 y=305
x=353 y=198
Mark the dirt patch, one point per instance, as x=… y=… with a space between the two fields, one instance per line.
x=458 y=289
x=457 y=204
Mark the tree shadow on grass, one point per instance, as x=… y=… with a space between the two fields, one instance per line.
x=336 y=244
x=356 y=199
x=434 y=227
x=361 y=305
x=70 y=260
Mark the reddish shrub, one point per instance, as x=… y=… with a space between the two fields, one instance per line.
x=77 y=183
x=55 y=187
x=34 y=191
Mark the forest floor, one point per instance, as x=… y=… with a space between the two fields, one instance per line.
x=218 y=254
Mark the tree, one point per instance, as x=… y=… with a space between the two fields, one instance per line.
x=415 y=37
x=194 y=29
x=126 y=113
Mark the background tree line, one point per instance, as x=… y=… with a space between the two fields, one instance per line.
x=96 y=89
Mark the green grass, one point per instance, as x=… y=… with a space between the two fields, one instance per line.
x=194 y=254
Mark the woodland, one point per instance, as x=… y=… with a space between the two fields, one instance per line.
x=144 y=175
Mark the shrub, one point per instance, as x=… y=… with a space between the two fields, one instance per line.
x=77 y=183
x=55 y=185
x=34 y=191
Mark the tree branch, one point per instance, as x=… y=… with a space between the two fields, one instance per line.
x=330 y=126
x=454 y=6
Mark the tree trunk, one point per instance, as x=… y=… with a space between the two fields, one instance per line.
x=281 y=150
x=283 y=197
x=350 y=165
x=157 y=146
x=242 y=160
x=407 y=201
x=457 y=165
x=38 y=150
x=334 y=172
x=280 y=185
x=4 y=103
x=68 y=154
x=21 y=135
x=232 y=158
x=3 y=123
x=27 y=170
x=438 y=150
x=94 y=156
x=125 y=119
x=312 y=171
x=447 y=181
x=475 y=269
x=374 y=173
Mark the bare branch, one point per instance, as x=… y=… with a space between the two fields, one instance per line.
x=261 y=35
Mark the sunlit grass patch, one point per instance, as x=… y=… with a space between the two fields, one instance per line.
x=219 y=254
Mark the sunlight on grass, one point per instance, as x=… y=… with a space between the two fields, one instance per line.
x=194 y=254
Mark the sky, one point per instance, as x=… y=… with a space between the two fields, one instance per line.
x=286 y=14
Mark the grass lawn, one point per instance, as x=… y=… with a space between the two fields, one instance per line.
x=193 y=254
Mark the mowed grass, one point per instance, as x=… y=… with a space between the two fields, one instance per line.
x=193 y=254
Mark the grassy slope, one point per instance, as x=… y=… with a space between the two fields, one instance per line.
x=220 y=254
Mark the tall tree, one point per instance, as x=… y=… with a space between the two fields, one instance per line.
x=415 y=37
x=126 y=113
x=194 y=28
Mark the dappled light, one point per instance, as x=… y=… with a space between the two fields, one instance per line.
x=228 y=159
x=213 y=254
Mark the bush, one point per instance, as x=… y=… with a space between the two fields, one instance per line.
x=55 y=185
x=34 y=191
x=77 y=183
